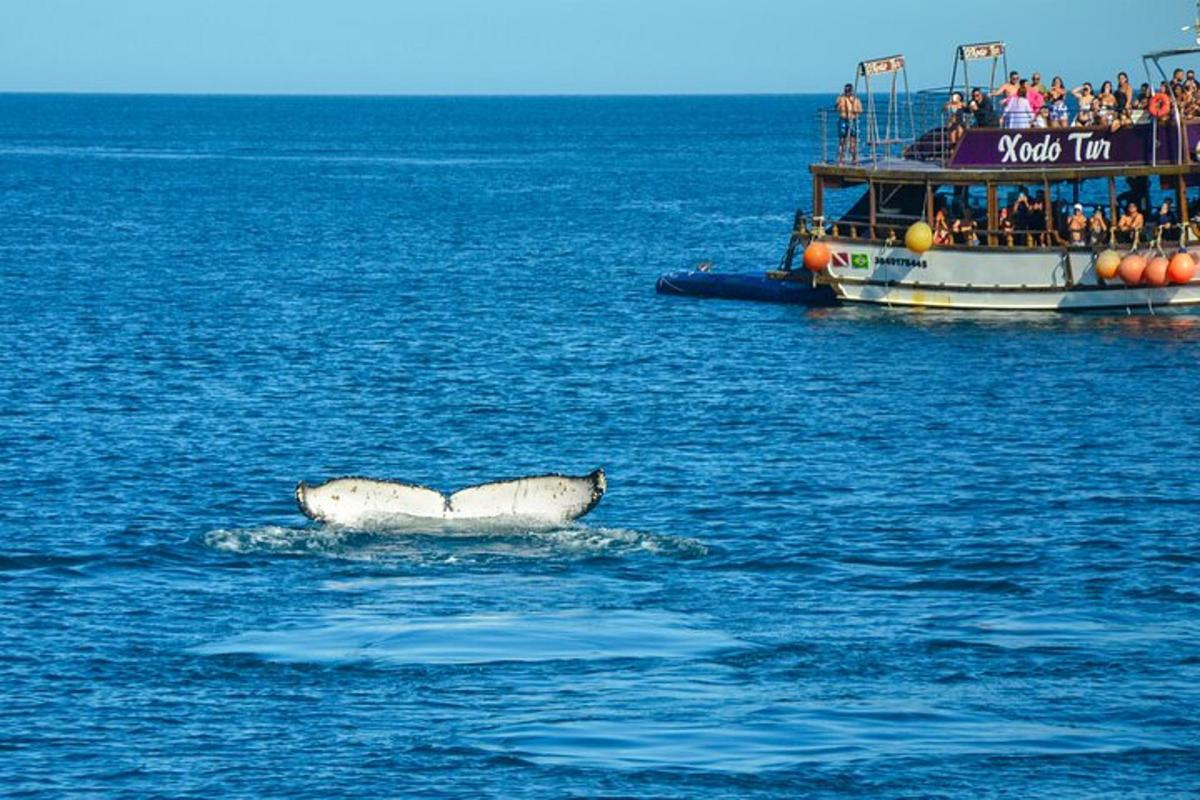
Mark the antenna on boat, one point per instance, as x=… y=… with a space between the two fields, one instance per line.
x=1195 y=27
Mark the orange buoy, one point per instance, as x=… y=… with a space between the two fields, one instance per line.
x=1156 y=271
x=1160 y=105
x=1132 y=268
x=1107 y=264
x=1182 y=268
x=817 y=256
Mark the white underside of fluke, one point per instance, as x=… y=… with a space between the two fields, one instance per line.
x=545 y=500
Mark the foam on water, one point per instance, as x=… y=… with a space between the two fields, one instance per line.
x=452 y=544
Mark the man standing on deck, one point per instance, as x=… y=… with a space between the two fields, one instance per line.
x=1009 y=89
x=849 y=109
x=981 y=108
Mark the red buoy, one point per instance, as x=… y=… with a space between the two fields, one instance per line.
x=1156 y=271
x=1182 y=268
x=1132 y=268
x=817 y=257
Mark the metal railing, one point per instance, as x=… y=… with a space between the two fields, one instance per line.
x=939 y=132
x=892 y=231
x=932 y=142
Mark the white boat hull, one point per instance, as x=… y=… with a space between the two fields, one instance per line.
x=996 y=279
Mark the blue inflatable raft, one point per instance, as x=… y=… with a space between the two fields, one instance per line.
x=795 y=288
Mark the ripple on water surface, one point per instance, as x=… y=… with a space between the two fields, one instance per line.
x=583 y=634
x=787 y=736
x=575 y=542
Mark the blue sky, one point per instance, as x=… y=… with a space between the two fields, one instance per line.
x=550 y=46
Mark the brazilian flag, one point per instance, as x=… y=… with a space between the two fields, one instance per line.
x=860 y=261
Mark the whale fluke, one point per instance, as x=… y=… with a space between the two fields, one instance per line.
x=544 y=500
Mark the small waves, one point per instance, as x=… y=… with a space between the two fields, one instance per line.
x=160 y=154
x=451 y=547
x=575 y=635
x=785 y=737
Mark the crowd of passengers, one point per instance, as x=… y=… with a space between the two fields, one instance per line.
x=1029 y=103
x=1024 y=223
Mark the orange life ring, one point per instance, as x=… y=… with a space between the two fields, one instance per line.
x=1160 y=106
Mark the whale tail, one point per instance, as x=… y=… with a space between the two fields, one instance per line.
x=542 y=500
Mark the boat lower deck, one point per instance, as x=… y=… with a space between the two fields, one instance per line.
x=1003 y=279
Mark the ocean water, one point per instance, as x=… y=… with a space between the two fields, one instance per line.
x=844 y=552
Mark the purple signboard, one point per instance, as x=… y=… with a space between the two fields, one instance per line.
x=1068 y=147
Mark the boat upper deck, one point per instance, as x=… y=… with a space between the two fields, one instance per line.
x=1062 y=153
x=953 y=134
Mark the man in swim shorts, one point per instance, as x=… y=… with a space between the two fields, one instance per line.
x=849 y=109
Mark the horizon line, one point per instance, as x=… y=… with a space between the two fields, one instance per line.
x=403 y=95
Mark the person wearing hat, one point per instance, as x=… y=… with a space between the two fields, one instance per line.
x=1077 y=225
x=849 y=109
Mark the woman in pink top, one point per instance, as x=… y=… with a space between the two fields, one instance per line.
x=1035 y=98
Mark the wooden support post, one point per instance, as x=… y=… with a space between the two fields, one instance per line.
x=1112 y=203
x=993 y=214
x=872 y=204
x=1049 y=217
x=1185 y=220
x=818 y=197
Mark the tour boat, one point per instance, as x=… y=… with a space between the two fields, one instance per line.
x=867 y=240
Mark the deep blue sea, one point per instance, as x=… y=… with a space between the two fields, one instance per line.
x=844 y=553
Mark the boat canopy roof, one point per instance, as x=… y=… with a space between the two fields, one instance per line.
x=1186 y=51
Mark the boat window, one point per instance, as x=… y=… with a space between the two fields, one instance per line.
x=849 y=208
x=1092 y=196
x=1021 y=216
x=899 y=204
x=957 y=201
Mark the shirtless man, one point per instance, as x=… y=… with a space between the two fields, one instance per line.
x=1129 y=227
x=1077 y=225
x=1009 y=89
x=849 y=109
